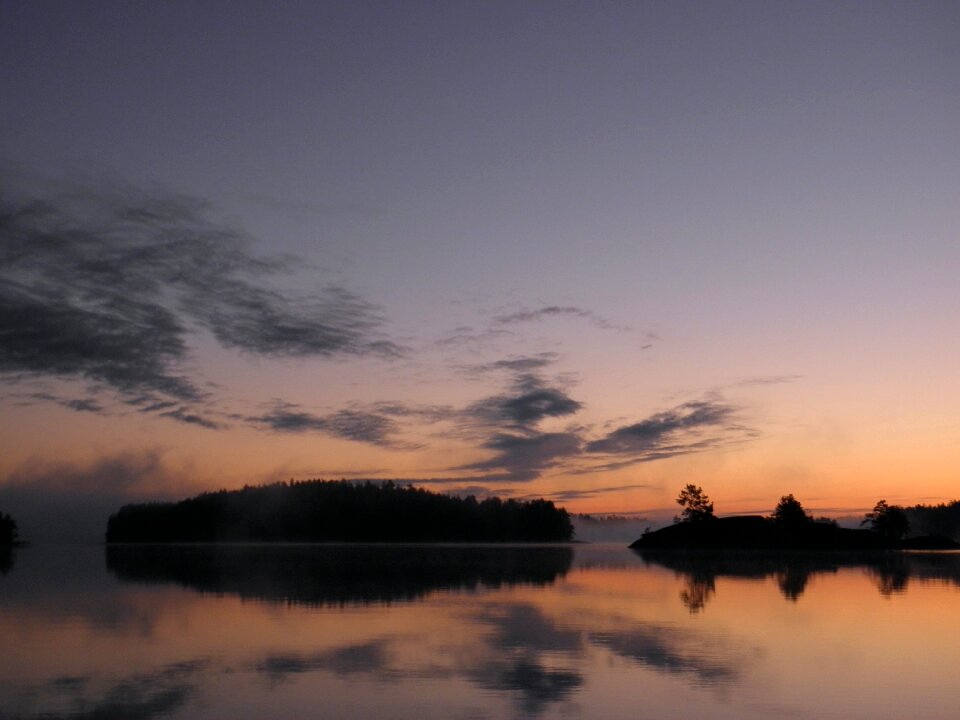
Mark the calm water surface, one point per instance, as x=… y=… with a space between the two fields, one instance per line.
x=474 y=632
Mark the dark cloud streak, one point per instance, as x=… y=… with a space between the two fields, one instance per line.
x=593 y=491
x=520 y=364
x=524 y=457
x=84 y=405
x=557 y=311
x=185 y=416
x=769 y=380
x=371 y=428
x=530 y=401
x=670 y=432
x=373 y=424
x=509 y=424
x=107 y=286
x=117 y=341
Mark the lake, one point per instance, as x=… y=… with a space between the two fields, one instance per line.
x=579 y=631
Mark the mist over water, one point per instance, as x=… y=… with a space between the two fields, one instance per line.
x=252 y=631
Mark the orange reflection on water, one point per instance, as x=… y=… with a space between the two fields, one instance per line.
x=610 y=636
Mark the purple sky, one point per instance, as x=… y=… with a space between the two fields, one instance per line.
x=591 y=251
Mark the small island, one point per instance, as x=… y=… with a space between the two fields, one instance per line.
x=8 y=540
x=341 y=512
x=790 y=527
x=8 y=530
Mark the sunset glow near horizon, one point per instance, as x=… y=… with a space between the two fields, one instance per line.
x=583 y=251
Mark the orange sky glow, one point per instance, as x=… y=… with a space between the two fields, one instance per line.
x=591 y=254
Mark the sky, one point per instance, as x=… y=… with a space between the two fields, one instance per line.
x=590 y=252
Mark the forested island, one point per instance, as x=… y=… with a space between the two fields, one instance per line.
x=789 y=527
x=339 y=511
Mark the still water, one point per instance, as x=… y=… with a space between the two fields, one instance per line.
x=474 y=632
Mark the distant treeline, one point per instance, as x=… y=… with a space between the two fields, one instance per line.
x=942 y=519
x=339 y=511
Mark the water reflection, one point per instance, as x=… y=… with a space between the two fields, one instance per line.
x=517 y=648
x=792 y=571
x=338 y=574
x=677 y=652
x=480 y=632
x=522 y=652
x=6 y=559
x=515 y=651
x=139 y=696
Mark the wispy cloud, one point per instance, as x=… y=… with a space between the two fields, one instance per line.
x=525 y=457
x=687 y=428
x=371 y=428
x=531 y=400
x=466 y=335
x=663 y=429
x=594 y=491
x=515 y=364
x=374 y=424
x=78 y=404
x=508 y=424
x=553 y=311
x=84 y=405
x=182 y=414
x=768 y=380
x=418 y=412
x=108 y=285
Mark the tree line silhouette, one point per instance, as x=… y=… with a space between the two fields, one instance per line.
x=8 y=530
x=942 y=519
x=791 y=526
x=339 y=511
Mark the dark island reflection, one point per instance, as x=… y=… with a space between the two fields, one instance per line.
x=6 y=559
x=792 y=571
x=202 y=632
x=338 y=574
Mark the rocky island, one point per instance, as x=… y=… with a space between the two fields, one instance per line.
x=790 y=527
